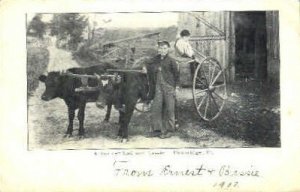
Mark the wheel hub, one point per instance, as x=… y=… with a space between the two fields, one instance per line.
x=211 y=88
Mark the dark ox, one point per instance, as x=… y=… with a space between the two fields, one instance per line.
x=62 y=85
x=132 y=86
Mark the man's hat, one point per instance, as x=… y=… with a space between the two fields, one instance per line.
x=161 y=43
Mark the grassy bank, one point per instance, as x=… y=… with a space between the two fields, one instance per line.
x=37 y=61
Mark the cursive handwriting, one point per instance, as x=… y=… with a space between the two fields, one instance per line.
x=124 y=168
x=120 y=169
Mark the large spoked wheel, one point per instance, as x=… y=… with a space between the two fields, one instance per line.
x=209 y=89
x=141 y=107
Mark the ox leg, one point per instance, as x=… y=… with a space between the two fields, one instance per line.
x=121 y=114
x=107 y=116
x=126 y=120
x=80 y=116
x=71 y=113
x=121 y=123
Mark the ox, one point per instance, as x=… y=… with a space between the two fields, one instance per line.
x=62 y=85
x=132 y=87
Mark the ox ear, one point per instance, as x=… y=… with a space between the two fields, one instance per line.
x=42 y=78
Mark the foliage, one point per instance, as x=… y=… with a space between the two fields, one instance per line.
x=69 y=27
x=37 y=61
x=37 y=27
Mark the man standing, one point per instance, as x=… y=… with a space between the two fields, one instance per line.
x=166 y=78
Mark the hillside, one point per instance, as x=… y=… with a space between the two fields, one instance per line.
x=134 y=50
x=108 y=35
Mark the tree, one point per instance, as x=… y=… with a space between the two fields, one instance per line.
x=37 y=27
x=69 y=27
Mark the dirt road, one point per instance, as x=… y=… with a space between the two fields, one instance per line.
x=59 y=59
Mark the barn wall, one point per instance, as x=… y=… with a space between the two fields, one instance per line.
x=273 y=55
x=222 y=50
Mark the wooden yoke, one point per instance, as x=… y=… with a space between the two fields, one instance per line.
x=84 y=80
x=126 y=70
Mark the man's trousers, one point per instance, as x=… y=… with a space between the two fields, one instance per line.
x=163 y=106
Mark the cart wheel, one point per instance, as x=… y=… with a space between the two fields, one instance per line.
x=140 y=107
x=209 y=89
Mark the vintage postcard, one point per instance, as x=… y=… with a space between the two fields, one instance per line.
x=128 y=96
x=228 y=68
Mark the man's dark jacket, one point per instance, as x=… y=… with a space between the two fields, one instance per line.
x=169 y=70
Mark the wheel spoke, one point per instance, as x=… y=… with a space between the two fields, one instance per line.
x=216 y=78
x=206 y=106
x=212 y=74
x=205 y=77
x=219 y=96
x=201 y=102
x=200 y=84
x=208 y=79
x=202 y=81
x=215 y=102
x=218 y=86
x=198 y=92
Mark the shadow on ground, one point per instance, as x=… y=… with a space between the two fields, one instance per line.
x=251 y=113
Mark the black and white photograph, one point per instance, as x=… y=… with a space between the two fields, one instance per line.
x=124 y=95
x=130 y=80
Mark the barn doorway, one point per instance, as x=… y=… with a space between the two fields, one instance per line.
x=251 y=50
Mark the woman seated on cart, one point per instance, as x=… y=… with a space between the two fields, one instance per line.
x=184 y=52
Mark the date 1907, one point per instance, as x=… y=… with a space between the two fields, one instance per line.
x=226 y=184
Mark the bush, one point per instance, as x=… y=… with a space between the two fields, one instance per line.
x=37 y=62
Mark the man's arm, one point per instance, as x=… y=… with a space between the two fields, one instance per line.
x=176 y=72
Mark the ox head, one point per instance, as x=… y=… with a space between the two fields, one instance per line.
x=52 y=82
x=108 y=85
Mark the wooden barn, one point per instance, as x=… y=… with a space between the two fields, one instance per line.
x=245 y=43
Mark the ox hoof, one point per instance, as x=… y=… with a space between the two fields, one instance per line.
x=105 y=121
x=68 y=135
x=81 y=136
x=124 y=140
x=118 y=138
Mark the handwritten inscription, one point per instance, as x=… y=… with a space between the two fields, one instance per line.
x=226 y=185
x=122 y=168
x=224 y=176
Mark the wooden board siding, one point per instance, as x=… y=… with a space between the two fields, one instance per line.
x=202 y=35
x=273 y=55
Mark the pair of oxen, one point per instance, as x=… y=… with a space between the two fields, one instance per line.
x=76 y=89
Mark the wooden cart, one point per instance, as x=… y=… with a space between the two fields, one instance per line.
x=208 y=82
